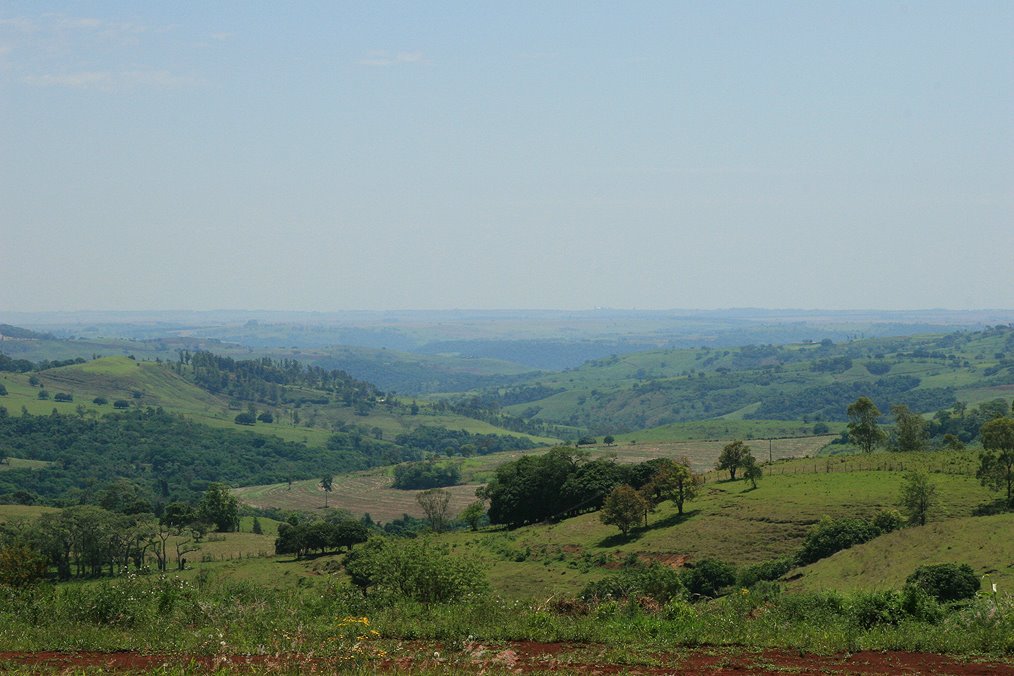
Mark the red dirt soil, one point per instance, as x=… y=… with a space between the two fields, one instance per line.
x=526 y=657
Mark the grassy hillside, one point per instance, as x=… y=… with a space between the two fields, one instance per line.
x=985 y=543
x=151 y=384
x=804 y=382
x=371 y=491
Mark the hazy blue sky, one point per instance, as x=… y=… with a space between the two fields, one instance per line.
x=506 y=155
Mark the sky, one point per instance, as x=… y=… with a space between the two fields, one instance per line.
x=565 y=155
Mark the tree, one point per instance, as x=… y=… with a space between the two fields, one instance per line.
x=327 y=483
x=752 y=471
x=219 y=506
x=910 y=429
x=435 y=503
x=863 y=429
x=624 y=508
x=257 y=528
x=674 y=481
x=473 y=513
x=918 y=496
x=608 y=440
x=996 y=462
x=244 y=419
x=733 y=456
x=417 y=569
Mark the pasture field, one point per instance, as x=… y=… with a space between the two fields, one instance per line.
x=26 y=512
x=22 y=463
x=728 y=521
x=986 y=543
x=370 y=491
x=151 y=384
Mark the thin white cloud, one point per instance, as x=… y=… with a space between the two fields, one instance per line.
x=109 y=81
x=385 y=58
x=82 y=80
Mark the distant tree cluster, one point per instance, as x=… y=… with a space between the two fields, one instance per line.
x=265 y=380
x=172 y=457
x=565 y=482
x=304 y=538
x=439 y=440
x=114 y=536
x=426 y=474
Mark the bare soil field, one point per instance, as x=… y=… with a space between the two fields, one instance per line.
x=524 y=657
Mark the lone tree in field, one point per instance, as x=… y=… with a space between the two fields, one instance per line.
x=624 y=508
x=918 y=496
x=752 y=471
x=327 y=484
x=910 y=429
x=996 y=463
x=733 y=456
x=674 y=481
x=435 y=503
x=473 y=513
x=864 y=431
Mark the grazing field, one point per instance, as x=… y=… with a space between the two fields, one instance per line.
x=986 y=543
x=26 y=512
x=371 y=491
x=358 y=493
x=22 y=463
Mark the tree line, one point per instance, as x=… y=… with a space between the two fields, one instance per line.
x=112 y=537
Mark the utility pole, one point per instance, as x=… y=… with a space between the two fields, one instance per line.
x=770 y=457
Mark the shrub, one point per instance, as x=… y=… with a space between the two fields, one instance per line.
x=245 y=419
x=121 y=403
x=869 y=609
x=765 y=572
x=708 y=577
x=945 y=581
x=656 y=581
x=63 y=396
x=416 y=569
x=100 y=401
x=888 y=520
x=833 y=535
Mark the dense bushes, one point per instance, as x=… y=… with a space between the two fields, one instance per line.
x=708 y=577
x=945 y=581
x=833 y=535
x=428 y=474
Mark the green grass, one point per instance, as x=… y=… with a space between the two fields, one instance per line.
x=986 y=543
x=21 y=463
x=119 y=377
x=25 y=512
x=726 y=429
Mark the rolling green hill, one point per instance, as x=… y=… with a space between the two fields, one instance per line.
x=803 y=382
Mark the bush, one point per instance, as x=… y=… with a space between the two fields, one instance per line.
x=415 y=569
x=245 y=419
x=658 y=582
x=121 y=403
x=708 y=577
x=945 y=581
x=765 y=572
x=888 y=520
x=833 y=535
x=100 y=401
x=869 y=609
x=63 y=396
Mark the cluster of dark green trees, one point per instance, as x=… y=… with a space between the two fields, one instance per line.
x=439 y=440
x=173 y=458
x=112 y=536
x=426 y=474
x=266 y=380
x=911 y=432
x=303 y=537
x=565 y=482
